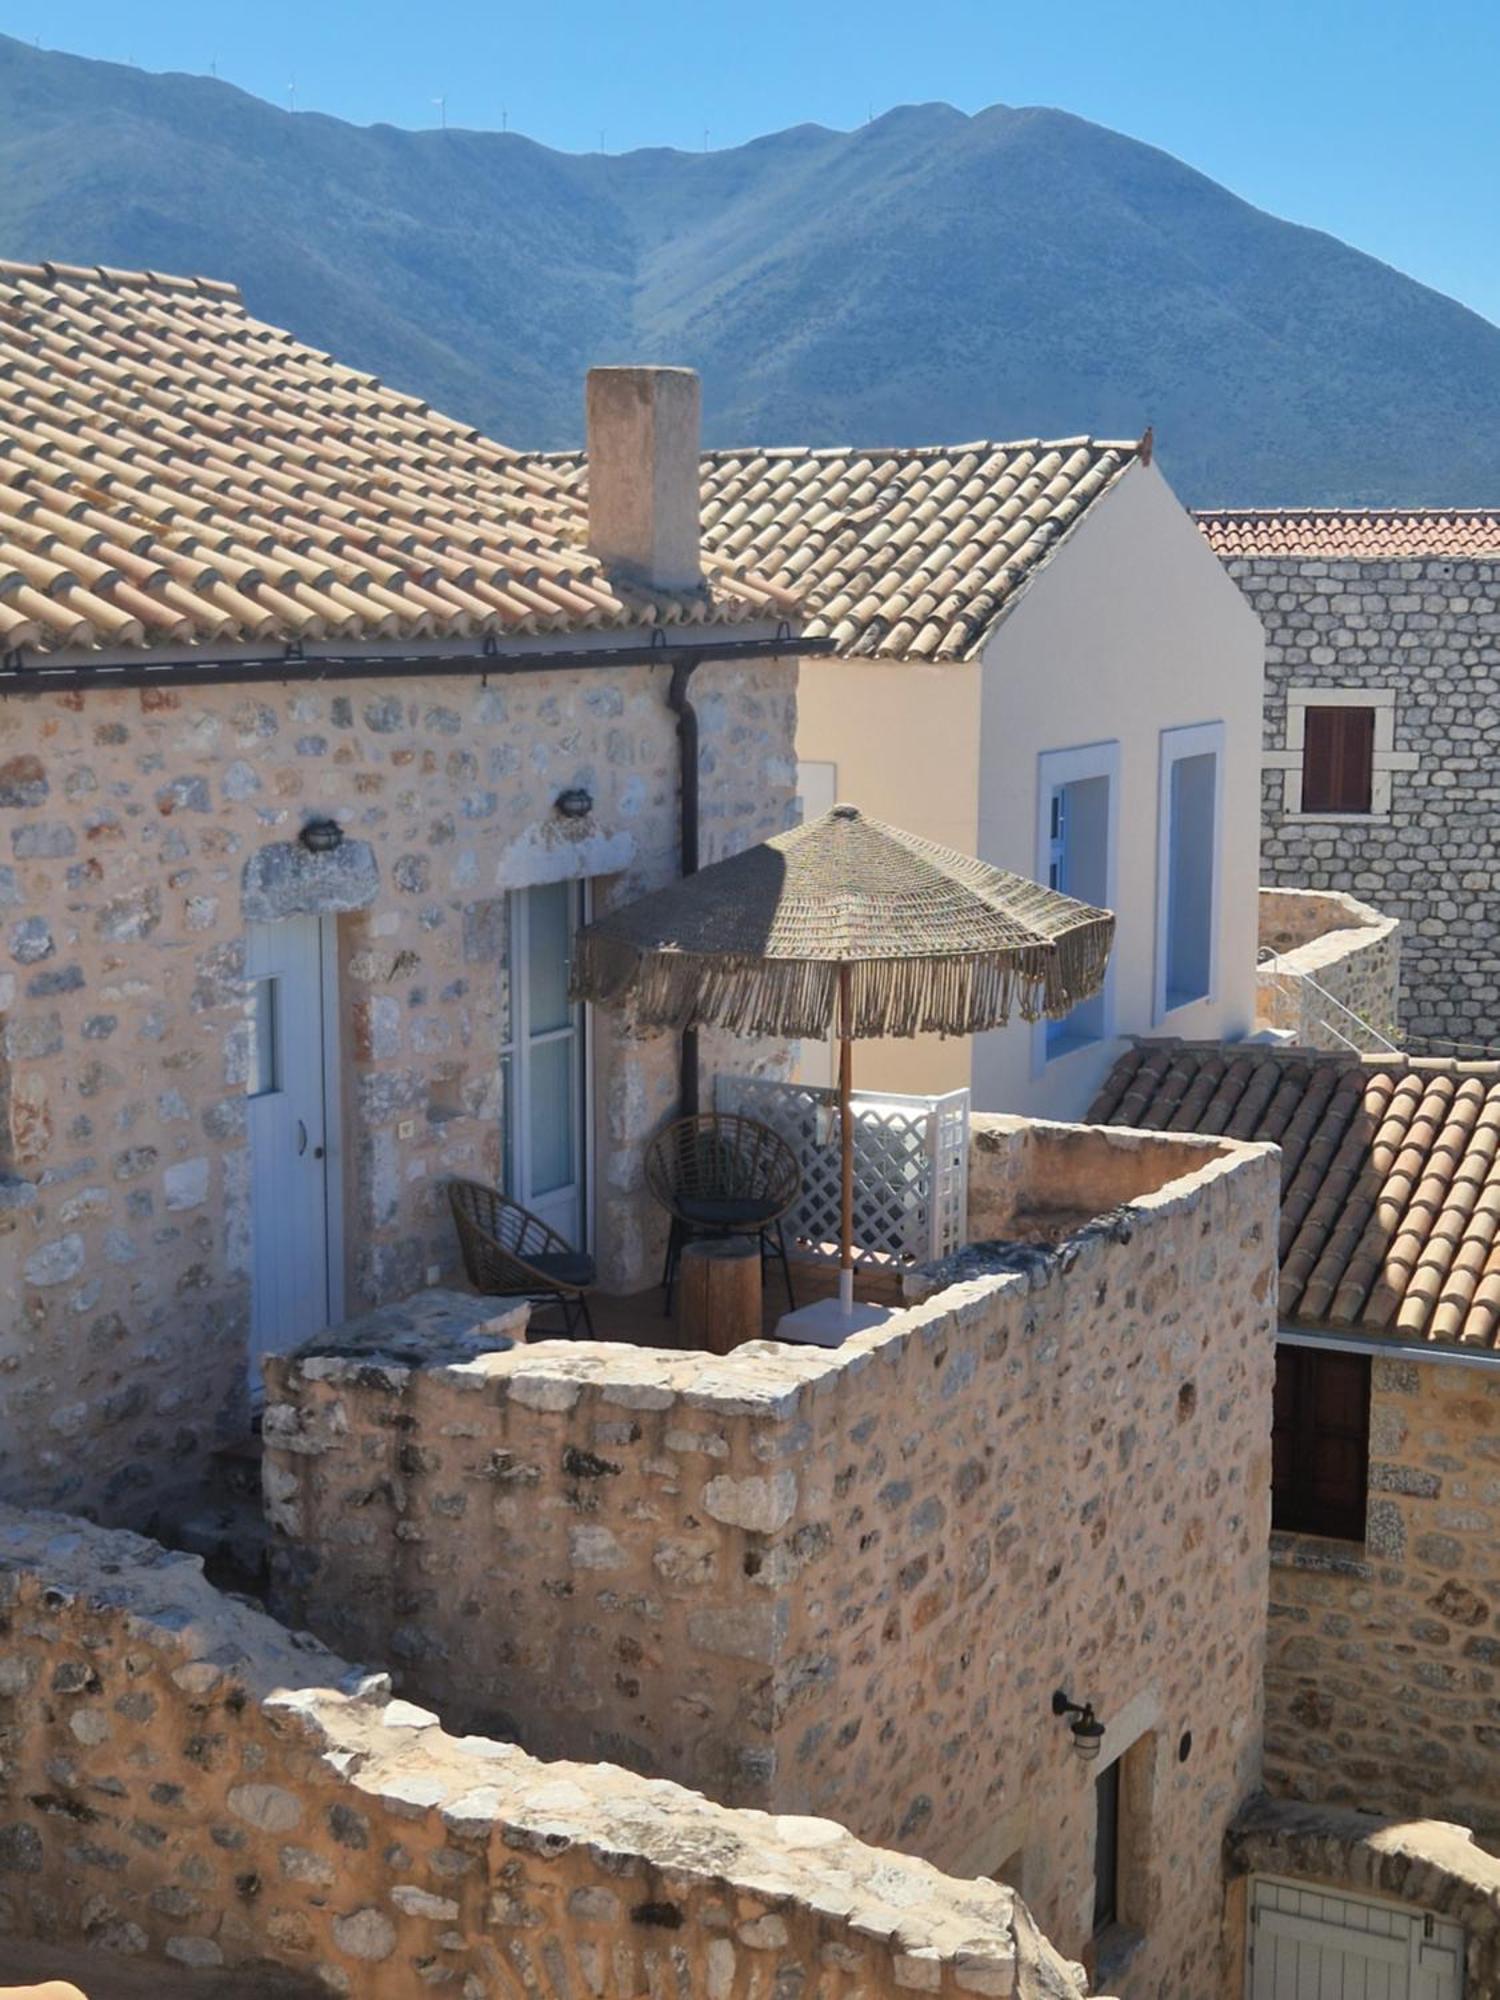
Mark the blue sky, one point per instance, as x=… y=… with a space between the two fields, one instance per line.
x=1372 y=120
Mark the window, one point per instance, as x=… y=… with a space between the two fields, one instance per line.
x=1188 y=865
x=1107 y=1849
x=1338 y=760
x=1075 y=853
x=1320 y=1442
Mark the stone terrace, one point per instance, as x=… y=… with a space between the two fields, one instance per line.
x=847 y=1582
x=1330 y=948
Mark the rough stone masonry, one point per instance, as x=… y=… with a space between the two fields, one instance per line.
x=1422 y=637
x=848 y=1582
x=184 y=1781
x=139 y=833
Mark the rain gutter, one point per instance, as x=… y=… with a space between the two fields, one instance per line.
x=1437 y=1353
x=295 y=666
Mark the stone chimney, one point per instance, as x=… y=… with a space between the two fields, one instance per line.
x=643 y=473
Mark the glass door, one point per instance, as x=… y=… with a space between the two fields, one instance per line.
x=545 y=1097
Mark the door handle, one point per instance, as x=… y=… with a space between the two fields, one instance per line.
x=301 y=1138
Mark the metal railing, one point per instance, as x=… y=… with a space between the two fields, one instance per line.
x=1364 y=1040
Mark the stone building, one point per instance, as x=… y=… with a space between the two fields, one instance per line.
x=1382 y=722
x=320 y=719
x=1381 y=1681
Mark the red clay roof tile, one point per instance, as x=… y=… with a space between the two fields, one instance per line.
x=1390 y=1174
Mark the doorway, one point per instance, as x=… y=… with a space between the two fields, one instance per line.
x=1305 y=1941
x=292 y=1115
x=545 y=1062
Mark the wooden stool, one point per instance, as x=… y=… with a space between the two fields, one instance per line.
x=718 y=1293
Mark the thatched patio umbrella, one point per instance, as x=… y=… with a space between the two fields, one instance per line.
x=845 y=917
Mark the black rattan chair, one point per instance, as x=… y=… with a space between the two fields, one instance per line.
x=510 y=1253
x=720 y=1174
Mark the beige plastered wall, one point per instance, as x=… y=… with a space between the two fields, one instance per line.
x=903 y=739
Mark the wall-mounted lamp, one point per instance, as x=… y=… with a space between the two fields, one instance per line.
x=321 y=836
x=1088 y=1730
x=576 y=803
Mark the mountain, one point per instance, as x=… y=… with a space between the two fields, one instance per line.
x=931 y=276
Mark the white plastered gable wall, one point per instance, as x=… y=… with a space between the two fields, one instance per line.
x=1131 y=630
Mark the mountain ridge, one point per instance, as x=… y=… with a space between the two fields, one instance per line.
x=932 y=275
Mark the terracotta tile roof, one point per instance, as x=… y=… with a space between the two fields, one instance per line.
x=175 y=472
x=901 y=554
x=1378 y=534
x=1390 y=1179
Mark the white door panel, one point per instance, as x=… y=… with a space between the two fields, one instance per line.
x=289 y=966
x=1311 y=1944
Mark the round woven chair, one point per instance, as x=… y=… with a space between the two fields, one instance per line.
x=510 y=1253
x=721 y=1174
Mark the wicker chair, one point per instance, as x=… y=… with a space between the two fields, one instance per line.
x=720 y=1174
x=510 y=1253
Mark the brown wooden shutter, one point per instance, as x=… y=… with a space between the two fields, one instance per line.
x=1320 y=1442
x=1338 y=759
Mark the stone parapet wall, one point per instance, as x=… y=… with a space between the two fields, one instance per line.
x=139 y=833
x=184 y=1780
x=1381 y=1669
x=1427 y=634
x=1327 y=944
x=1429 y=1865
x=848 y=1582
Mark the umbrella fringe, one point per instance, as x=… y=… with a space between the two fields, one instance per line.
x=899 y=997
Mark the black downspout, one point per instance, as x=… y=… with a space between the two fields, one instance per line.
x=687 y=757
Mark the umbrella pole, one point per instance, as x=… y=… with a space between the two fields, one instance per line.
x=846 y=1142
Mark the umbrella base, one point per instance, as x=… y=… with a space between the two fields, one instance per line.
x=826 y=1323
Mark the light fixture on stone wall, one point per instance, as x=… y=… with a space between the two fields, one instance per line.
x=575 y=803
x=1088 y=1730
x=321 y=836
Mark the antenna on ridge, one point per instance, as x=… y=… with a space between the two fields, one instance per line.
x=504 y=119
x=705 y=138
x=442 y=105
x=291 y=95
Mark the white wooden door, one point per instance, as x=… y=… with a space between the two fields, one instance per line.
x=294 y=1283
x=1311 y=1944
x=546 y=1149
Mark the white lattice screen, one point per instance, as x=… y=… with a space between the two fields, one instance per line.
x=911 y=1165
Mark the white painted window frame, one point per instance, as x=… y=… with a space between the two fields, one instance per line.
x=1067 y=767
x=1385 y=761
x=1194 y=740
x=516 y=1100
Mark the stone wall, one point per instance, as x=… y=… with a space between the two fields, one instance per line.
x=138 y=833
x=1329 y=947
x=1382 y=1664
x=848 y=1582
x=1426 y=634
x=185 y=1781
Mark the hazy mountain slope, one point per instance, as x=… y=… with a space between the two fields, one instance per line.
x=928 y=276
